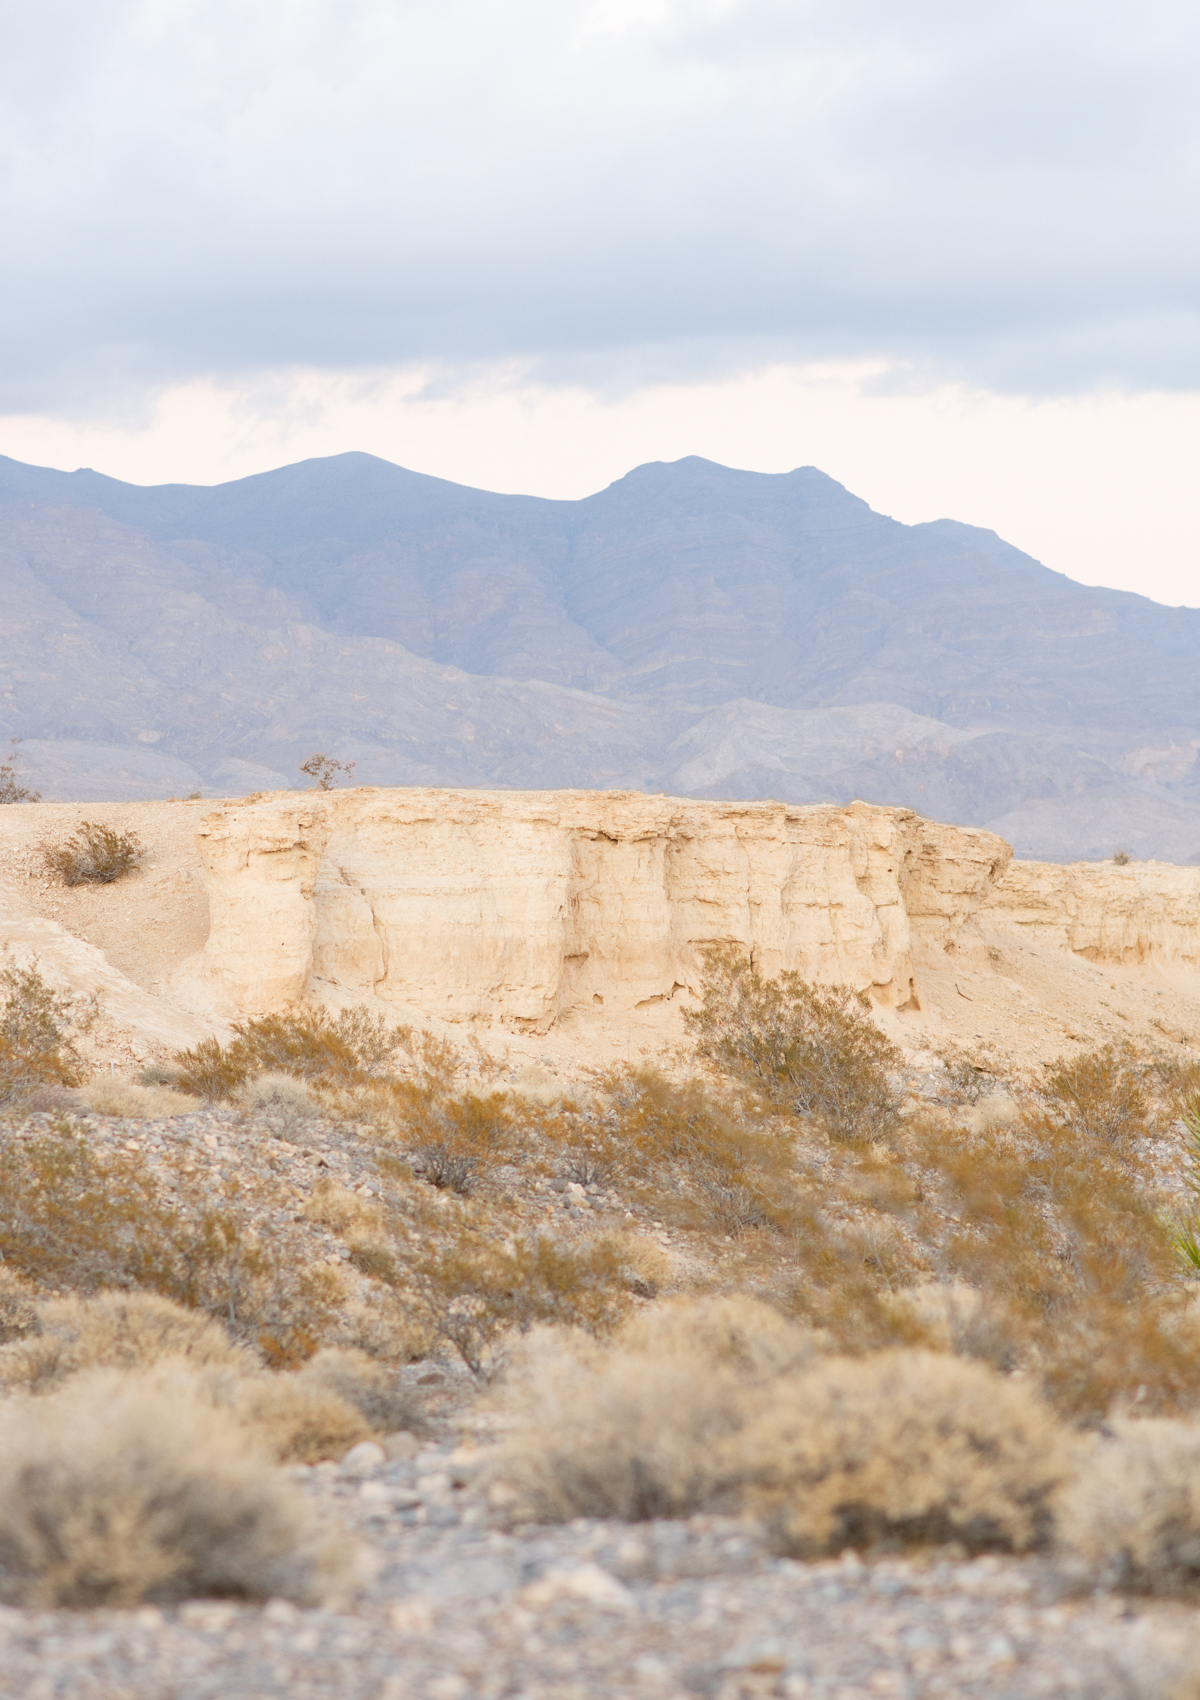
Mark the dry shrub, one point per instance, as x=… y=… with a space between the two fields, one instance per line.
x=636 y=1429
x=11 y=789
x=85 y=1219
x=209 y=1070
x=384 y=1402
x=18 y=1306
x=94 y=855
x=345 y=1050
x=811 y=1051
x=35 y=1048
x=736 y=1333
x=284 y=1105
x=383 y=1324
x=702 y=1158
x=904 y=1447
x=475 y=1289
x=613 y=1433
x=114 y=1331
x=299 y=1420
x=114 y=1492
x=1132 y=1512
x=1100 y=1094
x=109 y=1096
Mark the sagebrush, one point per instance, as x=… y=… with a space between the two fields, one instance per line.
x=94 y=854
x=114 y=1492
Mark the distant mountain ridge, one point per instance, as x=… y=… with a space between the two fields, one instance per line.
x=690 y=628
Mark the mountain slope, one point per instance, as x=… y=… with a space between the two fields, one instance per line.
x=691 y=627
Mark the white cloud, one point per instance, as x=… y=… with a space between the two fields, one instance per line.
x=1000 y=195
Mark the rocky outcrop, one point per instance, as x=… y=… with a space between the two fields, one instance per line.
x=1146 y=911
x=528 y=907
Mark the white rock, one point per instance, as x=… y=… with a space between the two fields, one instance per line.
x=401 y=1446
x=581 y=1582
x=366 y=1456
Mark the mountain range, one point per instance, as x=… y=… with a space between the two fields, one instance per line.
x=691 y=628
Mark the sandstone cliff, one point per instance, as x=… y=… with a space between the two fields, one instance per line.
x=525 y=907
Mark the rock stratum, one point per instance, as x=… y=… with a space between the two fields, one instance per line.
x=555 y=925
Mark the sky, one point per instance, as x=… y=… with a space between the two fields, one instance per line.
x=950 y=254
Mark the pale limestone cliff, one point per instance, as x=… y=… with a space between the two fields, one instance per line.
x=1146 y=911
x=525 y=907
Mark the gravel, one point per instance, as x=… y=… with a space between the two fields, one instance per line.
x=454 y=1606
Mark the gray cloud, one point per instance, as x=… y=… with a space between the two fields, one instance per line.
x=218 y=186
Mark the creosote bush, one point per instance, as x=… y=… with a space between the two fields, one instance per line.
x=115 y=1491
x=113 y=1330
x=345 y=1050
x=94 y=855
x=35 y=1046
x=809 y=1050
x=1100 y=1094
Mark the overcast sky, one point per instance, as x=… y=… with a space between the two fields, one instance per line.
x=950 y=253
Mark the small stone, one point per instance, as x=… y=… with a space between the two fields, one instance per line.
x=400 y=1447
x=366 y=1456
x=581 y=1582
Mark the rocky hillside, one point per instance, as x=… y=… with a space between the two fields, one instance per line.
x=691 y=629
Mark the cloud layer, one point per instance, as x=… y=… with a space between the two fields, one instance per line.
x=608 y=193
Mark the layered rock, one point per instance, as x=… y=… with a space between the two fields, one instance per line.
x=526 y=907
x=1146 y=911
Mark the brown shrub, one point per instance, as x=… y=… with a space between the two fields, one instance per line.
x=84 y=1219
x=812 y=1051
x=299 y=1420
x=612 y=1433
x=1132 y=1511
x=114 y=1331
x=94 y=855
x=340 y=1051
x=1100 y=1094
x=211 y=1070
x=905 y=1447
x=35 y=1048
x=384 y=1402
x=475 y=1289
x=114 y=1492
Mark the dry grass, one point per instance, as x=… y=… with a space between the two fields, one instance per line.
x=35 y=1045
x=1132 y=1512
x=115 y=1491
x=902 y=1448
x=94 y=855
x=76 y=1218
x=812 y=1051
x=114 y=1331
x=736 y=1333
x=110 y=1096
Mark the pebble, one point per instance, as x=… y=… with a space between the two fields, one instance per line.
x=596 y=1610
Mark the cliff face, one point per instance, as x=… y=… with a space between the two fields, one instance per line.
x=1147 y=911
x=524 y=907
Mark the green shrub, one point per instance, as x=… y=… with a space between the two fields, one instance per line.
x=94 y=855
x=812 y=1051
